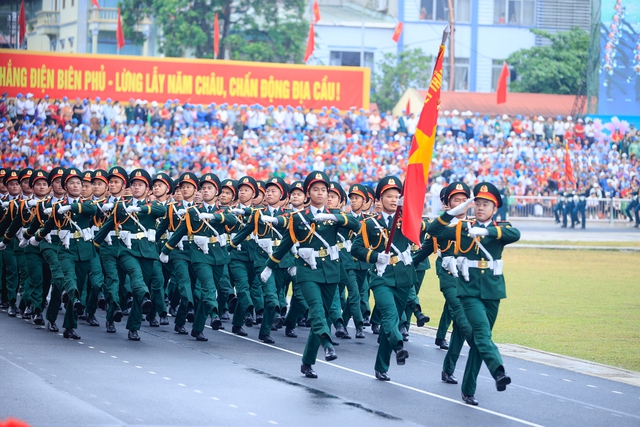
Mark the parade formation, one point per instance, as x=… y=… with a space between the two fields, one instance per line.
x=304 y=254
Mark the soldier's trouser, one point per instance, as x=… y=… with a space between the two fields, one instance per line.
x=242 y=275
x=461 y=327
x=23 y=277
x=140 y=271
x=11 y=279
x=256 y=294
x=157 y=291
x=445 y=321
x=185 y=280
x=57 y=283
x=363 y=287
x=353 y=307
x=94 y=286
x=204 y=296
x=224 y=289
x=282 y=280
x=335 y=311
x=482 y=315
x=113 y=275
x=319 y=297
x=270 y=298
x=74 y=272
x=40 y=278
x=297 y=307
x=390 y=302
x=3 y=282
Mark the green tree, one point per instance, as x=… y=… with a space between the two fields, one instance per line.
x=253 y=30
x=396 y=73
x=558 y=68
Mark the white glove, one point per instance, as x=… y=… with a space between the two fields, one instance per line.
x=107 y=207
x=266 y=273
x=383 y=258
x=292 y=271
x=32 y=202
x=268 y=219
x=181 y=212
x=5 y=204
x=205 y=216
x=237 y=211
x=132 y=209
x=64 y=209
x=478 y=231
x=33 y=241
x=325 y=217
x=461 y=208
x=3 y=246
x=23 y=243
x=164 y=258
x=401 y=201
x=47 y=211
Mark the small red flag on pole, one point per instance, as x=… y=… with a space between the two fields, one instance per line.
x=408 y=106
x=316 y=12
x=119 y=32
x=96 y=3
x=501 y=90
x=311 y=44
x=568 y=166
x=397 y=32
x=216 y=37
x=22 y=23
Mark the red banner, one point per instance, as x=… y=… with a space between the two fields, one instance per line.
x=197 y=81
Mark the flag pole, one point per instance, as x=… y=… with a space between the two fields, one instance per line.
x=394 y=226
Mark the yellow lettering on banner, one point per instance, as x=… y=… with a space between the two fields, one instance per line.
x=324 y=90
x=42 y=78
x=11 y=76
x=211 y=85
x=128 y=81
x=274 y=89
x=70 y=79
x=244 y=87
x=95 y=80
x=301 y=90
x=180 y=84
x=154 y=83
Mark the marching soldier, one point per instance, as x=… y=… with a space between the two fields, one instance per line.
x=317 y=265
x=391 y=275
x=11 y=210
x=204 y=226
x=481 y=285
x=23 y=219
x=162 y=189
x=226 y=295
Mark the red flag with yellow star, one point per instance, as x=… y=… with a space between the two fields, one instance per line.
x=397 y=32
x=415 y=185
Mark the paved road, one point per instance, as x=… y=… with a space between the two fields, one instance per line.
x=539 y=230
x=171 y=380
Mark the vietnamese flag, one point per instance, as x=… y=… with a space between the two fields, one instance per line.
x=501 y=90
x=397 y=32
x=415 y=184
x=311 y=43
x=568 y=166
x=96 y=3
x=216 y=37
x=316 y=12
x=22 y=23
x=119 y=32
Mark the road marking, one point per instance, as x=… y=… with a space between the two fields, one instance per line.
x=197 y=391
x=152 y=373
x=91 y=346
x=125 y=361
x=252 y=414
x=272 y=422
x=587 y=407
x=166 y=378
x=592 y=386
x=544 y=375
x=616 y=392
x=396 y=384
x=232 y=405
x=139 y=367
x=569 y=381
x=80 y=342
x=103 y=352
x=182 y=385
x=114 y=357
x=522 y=369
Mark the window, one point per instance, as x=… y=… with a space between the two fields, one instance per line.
x=438 y=10
x=64 y=3
x=495 y=73
x=514 y=12
x=461 y=76
x=350 y=59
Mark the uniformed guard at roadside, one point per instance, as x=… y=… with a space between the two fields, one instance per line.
x=481 y=284
x=391 y=275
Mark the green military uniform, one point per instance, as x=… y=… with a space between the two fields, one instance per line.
x=317 y=268
x=390 y=286
x=414 y=307
x=23 y=269
x=481 y=284
x=209 y=255
x=71 y=220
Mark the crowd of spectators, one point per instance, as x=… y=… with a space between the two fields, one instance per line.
x=522 y=155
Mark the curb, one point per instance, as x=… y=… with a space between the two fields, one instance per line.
x=572 y=247
x=554 y=360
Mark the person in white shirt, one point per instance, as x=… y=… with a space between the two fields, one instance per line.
x=311 y=119
x=538 y=128
x=298 y=117
x=279 y=116
x=29 y=107
x=558 y=129
x=412 y=124
x=20 y=107
x=96 y=108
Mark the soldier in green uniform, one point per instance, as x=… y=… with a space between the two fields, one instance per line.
x=204 y=225
x=446 y=317
x=162 y=188
x=99 y=186
x=11 y=206
x=241 y=257
x=414 y=308
x=182 y=277
x=135 y=218
x=392 y=274
x=111 y=247
x=71 y=218
x=453 y=195
x=481 y=285
x=317 y=265
x=4 y=303
x=24 y=281
x=40 y=276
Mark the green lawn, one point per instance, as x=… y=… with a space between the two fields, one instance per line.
x=584 y=304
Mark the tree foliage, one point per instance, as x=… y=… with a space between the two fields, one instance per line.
x=558 y=68
x=252 y=30
x=396 y=73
